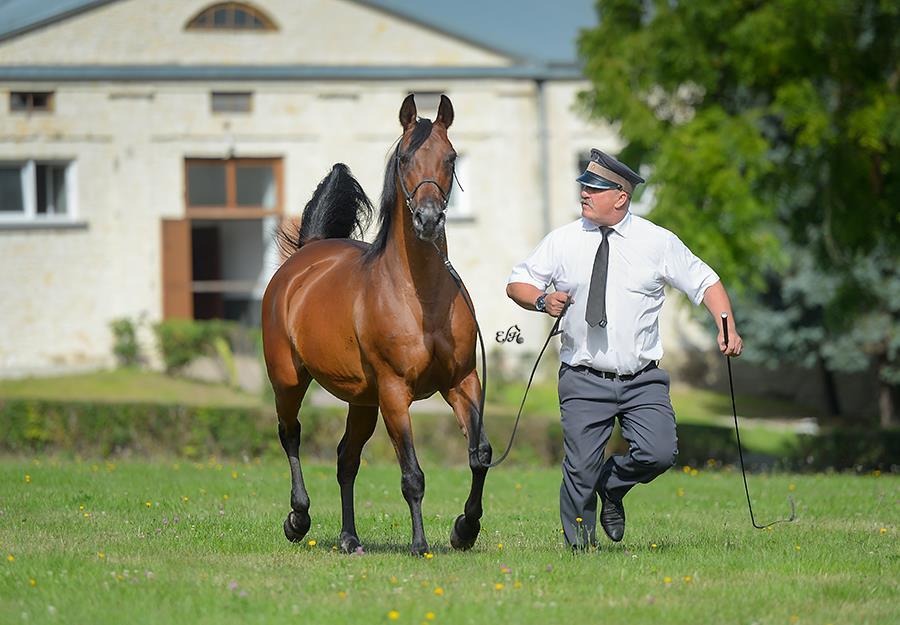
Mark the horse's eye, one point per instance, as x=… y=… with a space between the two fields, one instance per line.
x=404 y=159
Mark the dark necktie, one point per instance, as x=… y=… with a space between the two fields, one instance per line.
x=596 y=304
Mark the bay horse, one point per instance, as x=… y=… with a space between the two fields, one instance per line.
x=377 y=325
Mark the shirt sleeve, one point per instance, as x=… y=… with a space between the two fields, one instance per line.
x=539 y=268
x=686 y=272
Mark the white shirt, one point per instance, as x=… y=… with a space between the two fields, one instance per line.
x=643 y=258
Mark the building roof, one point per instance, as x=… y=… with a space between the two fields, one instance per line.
x=532 y=32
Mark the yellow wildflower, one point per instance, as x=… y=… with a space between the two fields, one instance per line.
x=234 y=475
x=33 y=582
x=429 y=616
x=27 y=479
x=498 y=586
x=686 y=469
x=578 y=519
x=393 y=615
x=792 y=487
x=342 y=595
x=101 y=555
x=694 y=472
x=439 y=591
x=11 y=558
x=499 y=545
x=517 y=584
x=688 y=579
x=667 y=580
x=311 y=543
x=883 y=530
x=428 y=555
x=148 y=504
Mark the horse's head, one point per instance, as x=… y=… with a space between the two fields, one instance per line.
x=425 y=161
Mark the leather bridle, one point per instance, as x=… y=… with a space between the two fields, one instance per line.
x=410 y=195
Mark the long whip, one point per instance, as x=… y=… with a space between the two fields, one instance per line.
x=737 y=433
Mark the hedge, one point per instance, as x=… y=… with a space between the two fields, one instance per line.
x=114 y=429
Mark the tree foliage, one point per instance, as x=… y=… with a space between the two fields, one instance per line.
x=771 y=133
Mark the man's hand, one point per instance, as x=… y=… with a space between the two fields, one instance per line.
x=555 y=302
x=735 y=343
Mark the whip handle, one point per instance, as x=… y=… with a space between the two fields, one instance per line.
x=725 y=327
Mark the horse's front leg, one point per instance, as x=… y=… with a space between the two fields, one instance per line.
x=464 y=399
x=394 y=399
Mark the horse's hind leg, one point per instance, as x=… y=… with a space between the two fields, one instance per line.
x=287 y=404
x=464 y=400
x=361 y=421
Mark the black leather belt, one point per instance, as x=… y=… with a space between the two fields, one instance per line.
x=609 y=375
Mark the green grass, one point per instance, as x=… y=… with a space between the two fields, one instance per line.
x=127 y=385
x=97 y=553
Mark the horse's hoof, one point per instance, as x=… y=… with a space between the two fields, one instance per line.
x=349 y=543
x=464 y=535
x=420 y=550
x=296 y=525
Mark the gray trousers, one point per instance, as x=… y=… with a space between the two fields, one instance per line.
x=589 y=404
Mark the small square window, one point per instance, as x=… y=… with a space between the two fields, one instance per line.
x=231 y=102
x=28 y=101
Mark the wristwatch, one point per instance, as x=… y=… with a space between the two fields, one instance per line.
x=539 y=304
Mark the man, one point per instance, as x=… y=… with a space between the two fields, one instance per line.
x=609 y=270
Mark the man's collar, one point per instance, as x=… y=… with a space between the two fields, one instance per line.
x=622 y=227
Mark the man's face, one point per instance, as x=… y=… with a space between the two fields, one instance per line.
x=605 y=207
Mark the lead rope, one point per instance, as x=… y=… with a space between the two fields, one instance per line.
x=480 y=421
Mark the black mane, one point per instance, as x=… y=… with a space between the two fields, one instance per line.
x=389 y=191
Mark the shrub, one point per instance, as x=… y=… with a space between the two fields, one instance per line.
x=125 y=345
x=183 y=340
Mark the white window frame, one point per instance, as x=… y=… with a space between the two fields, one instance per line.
x=28 y=180
x=459 y=208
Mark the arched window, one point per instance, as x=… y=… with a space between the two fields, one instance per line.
x=231 y=16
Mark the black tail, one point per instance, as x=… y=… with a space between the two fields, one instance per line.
x=339 y=209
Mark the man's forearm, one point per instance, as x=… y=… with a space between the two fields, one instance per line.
x=523 y=294
x=716 y=301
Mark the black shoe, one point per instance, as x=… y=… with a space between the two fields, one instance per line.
x=612 y=512
x=612 y=517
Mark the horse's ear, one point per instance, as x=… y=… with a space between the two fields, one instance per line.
x=408 y=112
x=445 y=112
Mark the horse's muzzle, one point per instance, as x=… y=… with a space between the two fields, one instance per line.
x=428 y=220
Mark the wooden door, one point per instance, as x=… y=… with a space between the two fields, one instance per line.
x=176 y=269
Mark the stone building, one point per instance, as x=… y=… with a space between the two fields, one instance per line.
x=150 y=147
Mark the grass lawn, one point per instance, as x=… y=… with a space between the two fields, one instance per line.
x=127 y=385
x=169 y=542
